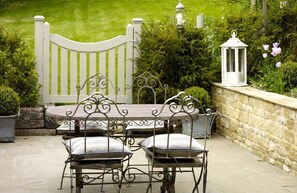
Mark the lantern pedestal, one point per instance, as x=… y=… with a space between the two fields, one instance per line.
x=234 y=79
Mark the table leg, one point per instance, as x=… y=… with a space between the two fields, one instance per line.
x=169 y=181
x=76 y=129
x=78 y=180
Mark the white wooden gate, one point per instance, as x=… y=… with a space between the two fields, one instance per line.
x=62 y=64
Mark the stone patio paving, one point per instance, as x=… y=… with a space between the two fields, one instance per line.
x=33 y=164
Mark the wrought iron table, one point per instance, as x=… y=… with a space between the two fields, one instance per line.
x=140 y=112
x=135 y=112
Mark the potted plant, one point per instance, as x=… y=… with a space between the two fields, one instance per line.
x=18 y=72
x=9 y=109
x=202 y=121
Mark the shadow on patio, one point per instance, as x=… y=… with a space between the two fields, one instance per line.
x=33 y=164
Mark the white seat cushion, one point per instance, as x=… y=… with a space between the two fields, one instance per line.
x=96 y=147
x=91 y=126
x=179 y=145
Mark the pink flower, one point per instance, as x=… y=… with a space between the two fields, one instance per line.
x=266 y=47
x=276 y=51
x=275 y=44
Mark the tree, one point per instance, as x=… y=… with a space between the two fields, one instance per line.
x=265 y=15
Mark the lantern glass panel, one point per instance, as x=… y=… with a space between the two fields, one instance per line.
x=231 y=60
x=240 y=59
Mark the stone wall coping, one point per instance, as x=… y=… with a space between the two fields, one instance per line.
x=274 y=98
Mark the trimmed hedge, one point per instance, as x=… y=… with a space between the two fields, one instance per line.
x=17 y=68
x=180 y=59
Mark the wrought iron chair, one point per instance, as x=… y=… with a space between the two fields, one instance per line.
x=103 y=154
x=176 y=152
x=145 y=84
x=94 y=83
x=148 y=86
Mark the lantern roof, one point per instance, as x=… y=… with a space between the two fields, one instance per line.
x=179 y=7
x=234 y=41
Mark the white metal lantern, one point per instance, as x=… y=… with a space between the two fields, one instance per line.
x=179 y=16
x=234 y=62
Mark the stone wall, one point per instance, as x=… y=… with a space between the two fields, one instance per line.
x=32 y=121
x=30 y=118
x=264 y=123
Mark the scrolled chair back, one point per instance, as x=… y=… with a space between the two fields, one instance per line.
x=180 y=107
x=97 y=83
x=148 y=85
x=96 y=109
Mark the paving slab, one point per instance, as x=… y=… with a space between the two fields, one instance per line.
x=33 y=164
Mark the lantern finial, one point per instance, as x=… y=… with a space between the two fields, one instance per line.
x=233 y=33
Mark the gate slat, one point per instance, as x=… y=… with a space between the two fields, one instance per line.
x=121 y=69
x=73 y=72
x=92 y=65
x=83 y=72
x=64 y=71
x=102 y=63
x=54 y=67
x=111 y=70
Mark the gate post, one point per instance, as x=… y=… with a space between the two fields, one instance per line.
x=39 y=49
x=137 y=22
x=133 y=34
x=129 y=62
x=45 y=62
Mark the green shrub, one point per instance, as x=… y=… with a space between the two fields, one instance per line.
x=201 y=94
x=282 y=27
x=3 y=3
x=9 y=101
x=289 y=74
x=178 y=59
x=272 y=81
x=17 y=68
x=293 y=92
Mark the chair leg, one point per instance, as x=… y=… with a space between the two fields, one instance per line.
x=102 y=182
x=71 y=180
x=63 y=174
x=149 y=187
x=122 y=173
x=205 y=173
x=195 y=180
x=202 y=175
x=128 y=171
x=198 y=181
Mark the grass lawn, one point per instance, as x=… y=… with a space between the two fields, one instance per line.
x=96 y=20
